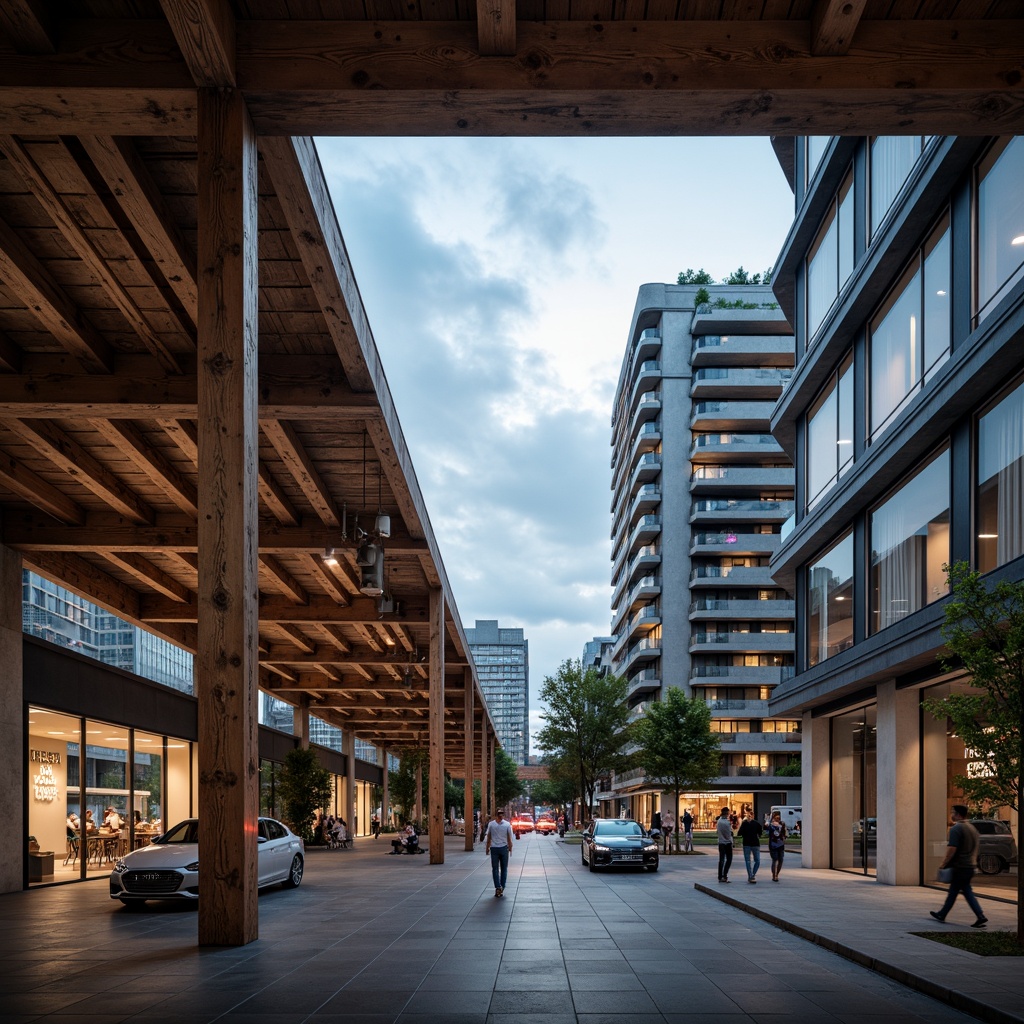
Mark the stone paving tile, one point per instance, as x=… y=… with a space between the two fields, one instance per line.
x=364 y=943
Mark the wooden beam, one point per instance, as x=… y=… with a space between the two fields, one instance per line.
x=399 y=472
x=205 y=30
x=274 y=498
x=152 y=575
x=469 y=758
x=63 y=451
x=436 y=714
x=290 y=387
x=496 y=27
x=67 y=224
x=301 y=641
x=292 y=453
x=833 y=24
x=29 y=25
x=39 y=492
x=227 y=664
x=171 y=533
x=294 y=168
x=131 y=184
x=283 y=580
x=326 y=578
x=86 y=580
x=47 y=301
x=131 y=443
x=278 y=609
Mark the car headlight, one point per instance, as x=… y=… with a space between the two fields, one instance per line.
x=651 y=849
x=120 y=867
x=194 y=866
x=601 y=849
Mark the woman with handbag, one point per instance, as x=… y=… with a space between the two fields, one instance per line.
x=776 y=843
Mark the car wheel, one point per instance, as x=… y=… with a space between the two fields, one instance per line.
x=294 y=873
x=990 y=863
x=583 y=857
x=592 y=865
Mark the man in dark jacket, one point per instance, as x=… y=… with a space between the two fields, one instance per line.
x=962 y=857
x=750 y=832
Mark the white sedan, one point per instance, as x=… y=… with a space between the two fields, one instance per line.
x=168 y=869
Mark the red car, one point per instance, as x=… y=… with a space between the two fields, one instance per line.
x=522 y=823
x=546 y=825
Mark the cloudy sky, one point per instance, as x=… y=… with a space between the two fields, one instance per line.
x=499 y=276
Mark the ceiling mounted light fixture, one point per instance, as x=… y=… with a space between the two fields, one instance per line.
x=329 y=557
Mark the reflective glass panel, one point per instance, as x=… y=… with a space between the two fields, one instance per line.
x=830 y=602
x=1000 y=495
x=999 y=224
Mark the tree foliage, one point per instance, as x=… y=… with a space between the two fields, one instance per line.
x=304 y=788
x=402 y=782
x=984 y=634
x=741 y=276
x=677 y=748
x=506 y=779
x=586 y=724
x=691 y=276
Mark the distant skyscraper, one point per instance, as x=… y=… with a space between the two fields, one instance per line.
x=502 y=659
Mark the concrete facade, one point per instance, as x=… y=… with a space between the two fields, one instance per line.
x=700 y=490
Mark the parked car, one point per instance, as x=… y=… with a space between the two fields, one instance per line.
x=546 y=825
x=522 y=823
x=998 y=850
x=168 y=869
x=618 y=842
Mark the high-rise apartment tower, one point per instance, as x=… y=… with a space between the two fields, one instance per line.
x=502 y=659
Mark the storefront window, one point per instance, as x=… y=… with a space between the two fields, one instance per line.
x=830 y=602
x=854 y=790
x=999 y=225
x=1000 y=496
x=910 y=545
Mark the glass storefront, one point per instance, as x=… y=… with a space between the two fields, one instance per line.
x=854 y=790
x=85 y=811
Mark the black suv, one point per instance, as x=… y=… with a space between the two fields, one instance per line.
x=998 y=849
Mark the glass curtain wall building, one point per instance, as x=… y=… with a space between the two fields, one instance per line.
x=905 y=420
x=502 y=657
x=700 y=490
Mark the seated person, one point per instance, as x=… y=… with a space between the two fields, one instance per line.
x=112 y=820
x=72 y=822
x=407 y=841
x=90 y=824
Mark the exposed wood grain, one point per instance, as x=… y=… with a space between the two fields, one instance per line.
x=283 y=580
x=496 y=27
x=29 y=25
x=205 y=31
x=38 y=491
x=86 y=580
x=436 y=714
x=131 y=442
x=48 y=302
x=150 y=574
x=131 y=183
x=276 y=501
x=290 y=449
x=272 y=608
x=469 y=757
x=69 y=109
x=227 y=662
x=64 y=451
x=833 y=26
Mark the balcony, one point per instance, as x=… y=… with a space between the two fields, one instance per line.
x=723 y=447
x=647 y=681
x=742 y=643
x=742 y=350
x=637 y=712
x=645 y=560
x=646 y=529
x=647 y=468
x=740 y=575
x=750 y=382
x=710 y=510
x=740 y=675
x=740 y=741
x=718 y=479
x=648 y=649
x=639 y=623
x=731 y=708
x=730 y=543
x=647 y=375
x=648 y=345
x=735 y=415
x=707 y=608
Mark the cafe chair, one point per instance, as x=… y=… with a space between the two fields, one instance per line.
x=72 y=847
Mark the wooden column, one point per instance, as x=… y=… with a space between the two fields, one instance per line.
x=435 y=727
x=486 y=807
x=417 y=807
x=227 y=658
x=385 y=799
x=348 y=743
x=14 y=763
x=300 y=721
x=494 y=772
x=469 y=756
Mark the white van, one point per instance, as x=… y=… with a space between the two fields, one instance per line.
x=791 y=816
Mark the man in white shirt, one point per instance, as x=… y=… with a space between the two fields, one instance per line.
x=499 y=845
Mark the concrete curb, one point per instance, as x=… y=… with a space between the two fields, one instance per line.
x=950 y=996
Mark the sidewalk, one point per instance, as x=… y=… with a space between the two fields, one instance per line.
x=871 y=924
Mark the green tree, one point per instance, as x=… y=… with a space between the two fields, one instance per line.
x=402 y=782
x=690 y=276
x=507 y=785
x=304 y=787
x=984 y=634
x=792 y=770
x=677 y=748
x=585 y=724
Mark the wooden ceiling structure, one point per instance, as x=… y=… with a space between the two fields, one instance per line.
x=163 y=217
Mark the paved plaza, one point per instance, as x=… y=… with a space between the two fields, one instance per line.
x=373 y=939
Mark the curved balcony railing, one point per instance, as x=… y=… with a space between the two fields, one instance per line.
x=784 y=507
x=749 y=439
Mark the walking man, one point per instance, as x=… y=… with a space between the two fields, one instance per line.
x=687 y=824
x=724 y=830
x=499 y=845
x=750 y=832
x=961 y=856
x=668 y=822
